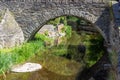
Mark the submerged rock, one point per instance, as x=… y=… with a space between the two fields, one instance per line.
x=27 y=67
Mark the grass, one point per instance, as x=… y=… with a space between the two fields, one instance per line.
x=68 y=31
x=19 y=54
x=9 y=57
x=12 y=56
x=50 y=59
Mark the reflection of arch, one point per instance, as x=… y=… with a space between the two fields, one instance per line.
x=45 y=16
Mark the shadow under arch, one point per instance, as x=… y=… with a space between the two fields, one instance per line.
x=104 y=27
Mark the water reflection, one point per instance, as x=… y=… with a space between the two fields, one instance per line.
x=58 y=68
x=77 y=50
x=43 y=74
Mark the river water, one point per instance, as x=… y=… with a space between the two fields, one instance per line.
x=54 y=67
x=43 y=74
x=67 y=71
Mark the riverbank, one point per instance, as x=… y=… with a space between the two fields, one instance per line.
x=54 y=67
x=55 y=58
x=10 y=57
x=20 y=54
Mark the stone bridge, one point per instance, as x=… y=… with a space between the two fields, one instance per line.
x=31 y=15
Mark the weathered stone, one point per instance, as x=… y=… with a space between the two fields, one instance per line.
x=44 y=11
x=95 y=11
x=41 y=11
x=47 y=28
x=10 y=32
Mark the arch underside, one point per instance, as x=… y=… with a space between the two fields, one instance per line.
x=32 y=15
x=40 y=18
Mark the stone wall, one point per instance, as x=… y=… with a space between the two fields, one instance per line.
x=10 y=32
x=31 y=15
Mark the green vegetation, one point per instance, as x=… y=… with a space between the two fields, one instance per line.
x=68 y=31
x=51 y=57
x=93 y=44
x=44 y=38
x=55 y=21
x=72 y=18
x=59 y=20
x=9 y=57
x=79 y=21
x=65 y=19
x=95 y=49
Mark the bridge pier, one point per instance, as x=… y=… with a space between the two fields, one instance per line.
x=115 y=39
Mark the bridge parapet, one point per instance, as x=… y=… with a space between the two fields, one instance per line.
x=17 y=5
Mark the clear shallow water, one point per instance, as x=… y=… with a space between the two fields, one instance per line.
x=54 y=67
x=46 y=73
x=43 y=74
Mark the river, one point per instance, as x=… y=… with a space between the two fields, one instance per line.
x=57 y=68
x=54 y=67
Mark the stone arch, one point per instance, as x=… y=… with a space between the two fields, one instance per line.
x=45 y=16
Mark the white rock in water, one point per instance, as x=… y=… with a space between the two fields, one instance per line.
x=27 y=67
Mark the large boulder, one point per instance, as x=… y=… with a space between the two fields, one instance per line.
x=10 y=32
